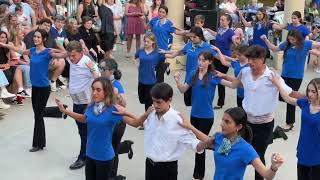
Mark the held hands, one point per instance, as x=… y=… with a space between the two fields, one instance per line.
x=276 y=161
x=275 y=78
x=90 y=65
x=185 y=122
x=264 y=37
x=162 y=51
x=216 y=49
x=219 y=74
x=120 y=110
x=100 y=50
x=149 y=110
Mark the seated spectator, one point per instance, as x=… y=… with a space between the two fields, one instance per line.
x=50 y=8
x=9 y=22
x=4 y=93
x=38 y=9
x=21 y=17
x=27 y=10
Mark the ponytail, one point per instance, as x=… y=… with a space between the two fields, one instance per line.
x=117 y=74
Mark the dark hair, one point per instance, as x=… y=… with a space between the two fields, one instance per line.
x=198 y=32
x=107 y=89
x=207 y=55
x=316 y=83
x=162 y=91
x=45 y=20
x=256 y=51
x=6 y=50
x=239 y=116
x=298 y=14
x=241 y=48
x=59 y=18
x=74 y=45
x=265 y=19
x=86 y=19
x=164 y=7
x=229 y=18
x=111 y=64
x=298 y=36
x=44 y=35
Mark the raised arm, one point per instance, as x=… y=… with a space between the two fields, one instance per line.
x=276 y=80
x=13 y=48
x=171 y=53
x=232 y=84
x=268 y=173
x=315 y=45
x=182 y=87
x=278 y=26
x=130 y=118
x=269 y=44
x=244 y=21
x=221 y=57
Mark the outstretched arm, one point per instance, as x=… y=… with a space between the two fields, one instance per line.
x=276 y=80
x=268 y=173
x=76 y=116
x=132 y=119
x=269 y=44
x=183 y=87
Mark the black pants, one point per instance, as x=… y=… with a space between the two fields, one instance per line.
x=204 y=125
x=118 y=132
x=160 y=70
x=308 y=172
x=82 y=129
x=39 y=99
x=262 y=135
x=291 y=110
x=239 y=101
x=221 y=88
x=161 y=171
x=98 y=170
x=144 y=94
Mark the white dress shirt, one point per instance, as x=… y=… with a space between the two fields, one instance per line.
x=261 y=96
x=164 y=139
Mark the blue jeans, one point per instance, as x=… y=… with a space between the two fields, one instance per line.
x=123 y=35
x=26 y=75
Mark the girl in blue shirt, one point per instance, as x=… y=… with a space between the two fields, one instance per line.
x=295 y=53
x=232 y=149
x=146 y=59
x=261 y=26
x=308 y=149
x=40 y=57
x=296 y=23
x=203 y=82
x=237 y=64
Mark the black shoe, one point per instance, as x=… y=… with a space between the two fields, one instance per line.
x=279 y=133
x=167 y=68
x=141 y=128
x=217 y=107
x=35 y=149
x=129 y=146
x=120 y=177
x=77 y=164
x=288 y=129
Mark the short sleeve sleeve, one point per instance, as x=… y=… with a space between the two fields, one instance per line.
x=233 y=64
x=308 y=45
x=213 y=52
x=302 y=102
x=136 y=55
x=185 y=48
x=287 y=89
x=282 y=46
x=250 y=154
x=216 y=80
x=189 y=78
x=153 y=21
x=116 y=117
x=270 y=25
x=230 y=34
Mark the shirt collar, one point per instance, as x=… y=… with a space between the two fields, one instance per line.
x=57 y=29
x=165 y=116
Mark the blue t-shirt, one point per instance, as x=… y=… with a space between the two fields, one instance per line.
x=192 y=55
x=202 y=96
x=118 y=85
x=99 y=137
x=224 y=41
x=301 y=28
x=162 y=32
x=232 y=166
x=39 y=67
x=260 y=29
x=308 y=149
x=294 y=61
x=147 y=66
x=237 y=68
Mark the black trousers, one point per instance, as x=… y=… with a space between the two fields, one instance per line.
x=98 y=170
x=144 y=94
x=82 y=129
x=39 y=99
x=308 y=172
x=291 y=110
x=118 y=132
x=204 y=125
x=221 y=88
x=239 y=101
x=160 y=70
x=161 y=171
x=262 y=136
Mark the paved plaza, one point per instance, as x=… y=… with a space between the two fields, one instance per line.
x=63 y=142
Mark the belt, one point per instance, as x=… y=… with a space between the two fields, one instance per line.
x=162 y=163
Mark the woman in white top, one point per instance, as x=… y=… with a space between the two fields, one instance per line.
x=117 y=10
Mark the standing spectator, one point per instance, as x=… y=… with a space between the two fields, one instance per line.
x=73 y=34
x=135 y=23
x=50 y=8
x=62 y=8
x=22 y=18
x=38 y=9
x=153 y=12
x=27 y=10
x=86 y=8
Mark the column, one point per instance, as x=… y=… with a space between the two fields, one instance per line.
x=176 y=15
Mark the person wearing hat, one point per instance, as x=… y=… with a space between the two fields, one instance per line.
x=109 y=69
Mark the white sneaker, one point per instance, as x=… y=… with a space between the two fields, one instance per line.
x=53 y=86
x=3 y=105
x=114 y=47
x=5 y=94
x=317 y=70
